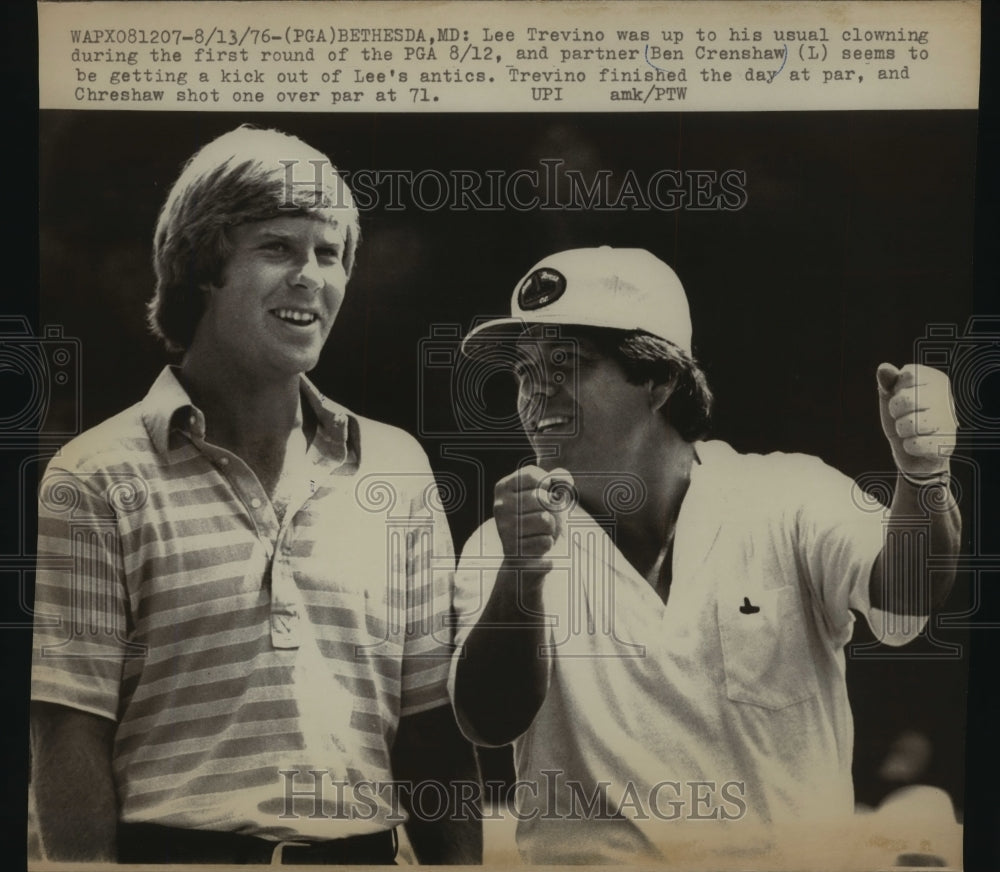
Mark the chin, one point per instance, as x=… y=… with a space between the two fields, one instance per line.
x=558 y=461
x=295 y=366
x=304 y=358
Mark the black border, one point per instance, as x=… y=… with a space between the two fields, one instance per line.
x=20 y=247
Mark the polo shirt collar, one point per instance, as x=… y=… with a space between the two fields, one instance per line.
x=699 y=522
x=338 y=428
x=704 y=509
x=168 y=407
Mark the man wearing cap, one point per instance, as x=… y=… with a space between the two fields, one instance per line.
x=241 y=652
x=657 y=622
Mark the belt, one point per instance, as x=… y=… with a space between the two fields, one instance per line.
x=152 y=843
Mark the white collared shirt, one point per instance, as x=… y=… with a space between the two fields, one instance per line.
x=718 y=715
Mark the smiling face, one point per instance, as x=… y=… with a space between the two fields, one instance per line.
x=282 y=287
x=578 y=410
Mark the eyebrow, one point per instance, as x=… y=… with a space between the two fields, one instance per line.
x=526 y=354
x=281 y=233
x=565 y=342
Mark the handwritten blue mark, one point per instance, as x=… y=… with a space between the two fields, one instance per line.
x=785 y=61
x=648 y=61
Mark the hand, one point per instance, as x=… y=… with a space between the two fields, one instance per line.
x=529 y=508
x=918 y=418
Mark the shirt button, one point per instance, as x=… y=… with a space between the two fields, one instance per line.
x=255 y=502
x=223 y=461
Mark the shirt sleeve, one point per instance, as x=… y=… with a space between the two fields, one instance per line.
x=477 y=573
x=429 y=579
x=81 y=616
x=841 y=531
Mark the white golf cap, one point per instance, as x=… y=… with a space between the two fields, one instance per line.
x=618 y=288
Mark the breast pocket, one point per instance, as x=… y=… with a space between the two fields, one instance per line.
x=765 y=648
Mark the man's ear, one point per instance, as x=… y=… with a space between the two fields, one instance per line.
x=660 y=392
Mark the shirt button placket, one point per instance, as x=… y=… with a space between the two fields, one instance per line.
x=285 y=604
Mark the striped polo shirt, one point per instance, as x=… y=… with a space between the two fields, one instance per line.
x=256 y=668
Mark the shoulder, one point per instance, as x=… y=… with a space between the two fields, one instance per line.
x=760 y=488
x=104 y=470
x=120 y=441
x=135 y=436
x=392 y=462
x=789 y=471
x=385 y=445
x=379 y=447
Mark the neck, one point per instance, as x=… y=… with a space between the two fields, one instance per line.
x=645 y=536
x=237 y=412
x=666 y=474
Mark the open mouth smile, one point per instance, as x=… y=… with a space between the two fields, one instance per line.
x=551 y=422
x=296 y=317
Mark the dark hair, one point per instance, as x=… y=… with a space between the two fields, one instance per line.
x=645 y=357
x=244 y=175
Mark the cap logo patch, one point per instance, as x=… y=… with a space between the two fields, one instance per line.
x=542 y=287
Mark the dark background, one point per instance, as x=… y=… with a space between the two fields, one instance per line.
x=856 y=235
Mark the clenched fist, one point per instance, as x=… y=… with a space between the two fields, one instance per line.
x=529 y=507
x=918 y=418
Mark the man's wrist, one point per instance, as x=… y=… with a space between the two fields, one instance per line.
x=922 y=480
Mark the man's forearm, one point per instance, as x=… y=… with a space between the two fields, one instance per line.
x=455 y=838
x=439 y=788
x=501 y=677
x=924 y=522
x=73 y=784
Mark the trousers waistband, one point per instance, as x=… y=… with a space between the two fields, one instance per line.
x=153 y=843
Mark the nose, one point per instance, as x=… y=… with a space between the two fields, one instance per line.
x=308 y=274
x=538 y=383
